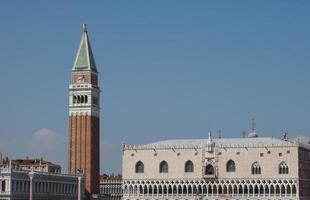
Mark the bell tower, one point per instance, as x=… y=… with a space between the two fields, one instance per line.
x=84 y=117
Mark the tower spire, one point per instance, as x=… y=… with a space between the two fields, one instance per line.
x=84 y=27
x=84 y=58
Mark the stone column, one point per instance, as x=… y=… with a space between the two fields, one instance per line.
x=31 y=176
x=79 y=188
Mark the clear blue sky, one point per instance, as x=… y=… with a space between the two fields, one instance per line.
x=168 y=69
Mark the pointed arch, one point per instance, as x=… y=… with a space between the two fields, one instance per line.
x=163 y=167
x=150 y=189
x=160 y=189
x=139 y=168
x=283 y=168
x=200 y=190
x=165 y=189
x=256 y=168
x=251 y=189
x=272 y=189
x=189 y=166
x=220 y=189
x=169 y=189
x=256 y=190
x=174 y=189
x=230 y=166
x=246 y=189
x=225 y=190
x=240 y=189
x=204 y=189
x=289 y=189
x=140 y=189
x=277 y=189
x=155 y=189
x=180 y=189
x=209 y=170
x=283 y=190
x=145 y=189
x=189 y=189
x=294 y=190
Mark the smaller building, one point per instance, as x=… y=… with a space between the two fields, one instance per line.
x=16 y=183
x=111 y=187
x=37 y=165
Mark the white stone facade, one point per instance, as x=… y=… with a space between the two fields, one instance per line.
x=19 y=184
x=111 y=187
x=241 y=168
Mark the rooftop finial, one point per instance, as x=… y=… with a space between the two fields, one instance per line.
x=253 y=125
x=220 y=133
x=85 y=27
x=209 y=135
x=285 y=134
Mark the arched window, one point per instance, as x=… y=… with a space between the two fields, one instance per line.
x=86 y=98
x=3 y=186
x=82 y=98
x=256 y=169
x=163 y=167
x=209 y=170
x=78 y=99
x=189 y=166
x=139 y=167
x=283 y=168
x=230 y=166
x=74 y=99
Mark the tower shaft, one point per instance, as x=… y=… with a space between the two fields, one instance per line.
x=84 y=117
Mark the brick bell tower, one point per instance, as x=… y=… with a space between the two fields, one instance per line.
x=84 y=110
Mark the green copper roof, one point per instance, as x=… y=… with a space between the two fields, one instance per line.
x=84 y=57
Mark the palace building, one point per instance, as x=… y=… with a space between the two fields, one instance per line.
x=221 y=168
x=84 y=98
x=16 y=183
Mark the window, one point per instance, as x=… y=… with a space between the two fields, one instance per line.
x=280 y=154
x=139 y=167
x=283 y=168
x=163 y=167
x=74 y=99
x=86 y=99
x=189 y=166
x=256 y=169
x=3 y=186
x=209 y=170
x=230 y=166
x=261 y=154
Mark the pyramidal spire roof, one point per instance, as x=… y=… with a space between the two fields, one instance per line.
x=84 y=58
